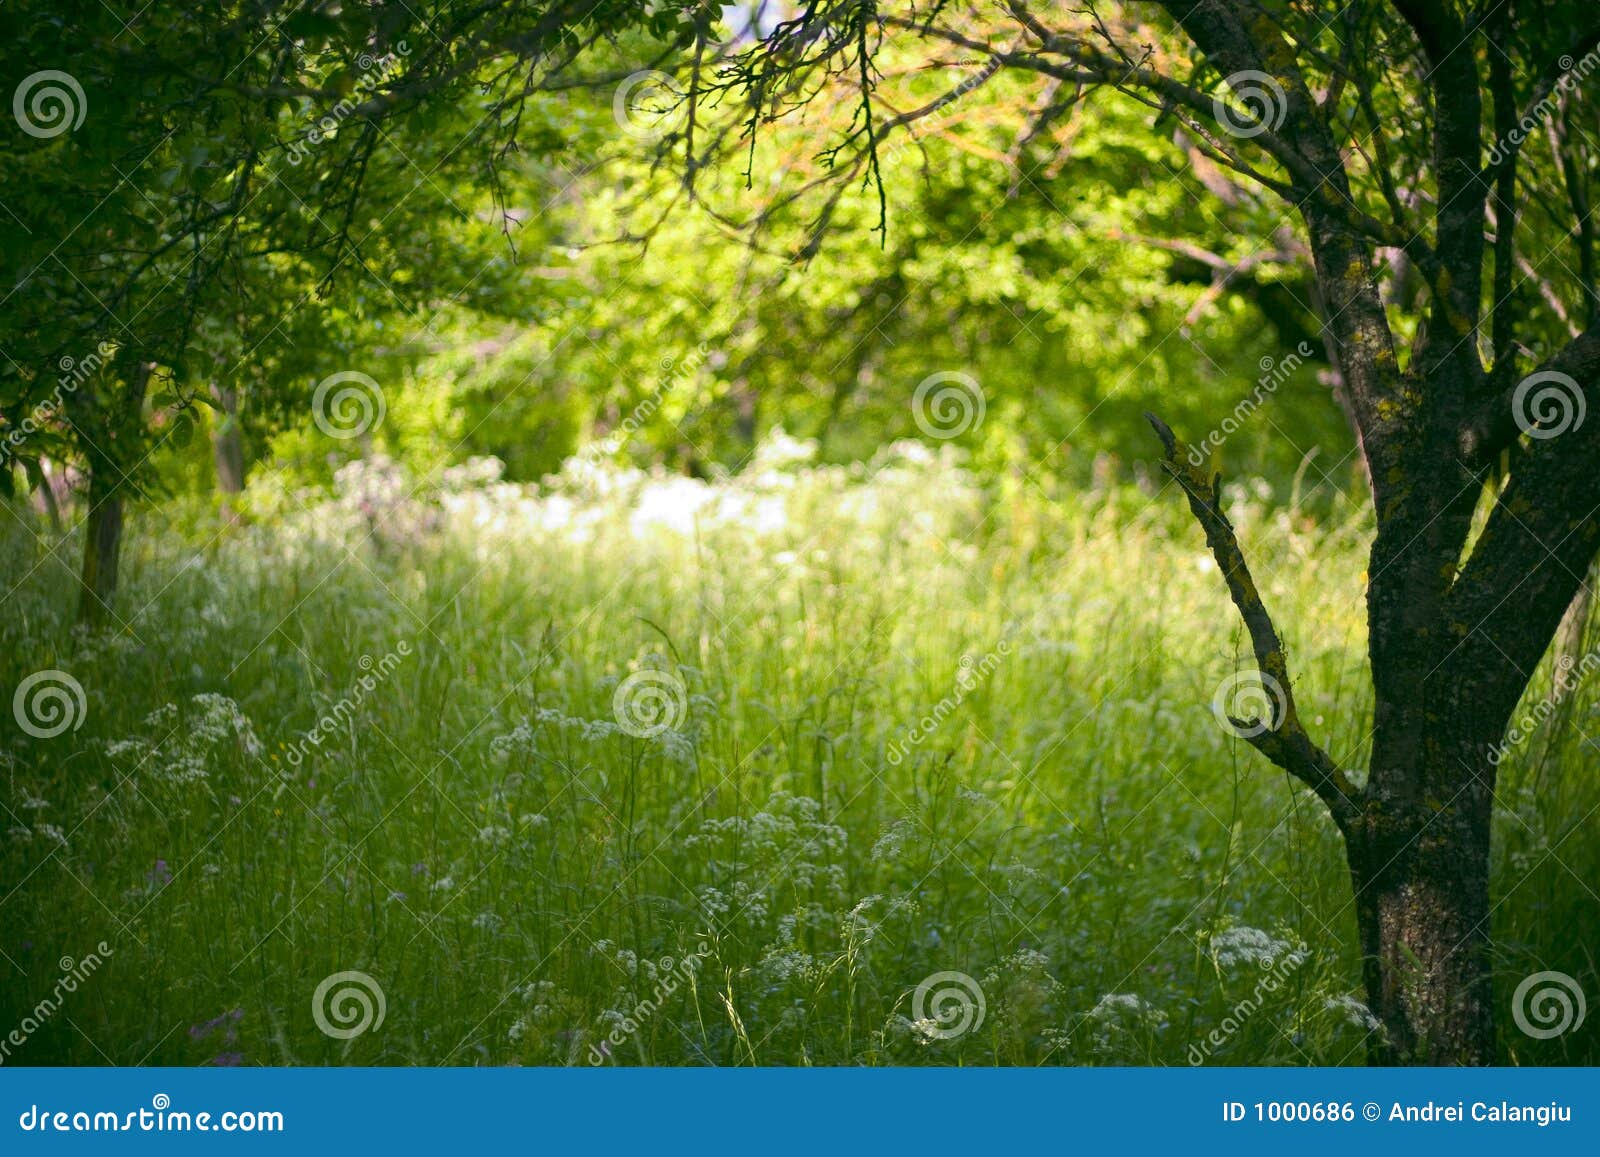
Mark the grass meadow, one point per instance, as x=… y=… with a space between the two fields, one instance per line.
x=805 y=765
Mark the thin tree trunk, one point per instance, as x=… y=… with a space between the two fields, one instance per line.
x=744 y=418
x=40 y=483
x=227 y=449
x=109 y=457
x=102 y=546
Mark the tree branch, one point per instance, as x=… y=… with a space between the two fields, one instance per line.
x=1283 y=740
x=1498 y=423
x=1340 y=245
x=1452 y=76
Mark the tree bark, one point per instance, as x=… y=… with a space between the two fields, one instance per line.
x=1420 y=871
x=1457 y=621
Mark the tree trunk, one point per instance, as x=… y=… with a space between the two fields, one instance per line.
x=109 y=459
x=102 y=546
x=1417 y=833
x=1420 y=869
x=227 y=449
x=41 y=486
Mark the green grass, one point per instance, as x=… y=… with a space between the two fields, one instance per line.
x=1076 y=833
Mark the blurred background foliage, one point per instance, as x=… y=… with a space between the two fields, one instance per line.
x=582 y=291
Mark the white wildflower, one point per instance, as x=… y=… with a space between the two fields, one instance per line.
x=1244 y=945
x=1117 y=1005
x=1352 y=1010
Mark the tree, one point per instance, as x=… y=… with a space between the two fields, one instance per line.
x=160 y=172
x=1403 y=138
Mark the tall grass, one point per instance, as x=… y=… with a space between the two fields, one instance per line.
x=926 y=726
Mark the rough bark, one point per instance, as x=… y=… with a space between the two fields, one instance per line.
x=1419 y=867
x=1457 y=622
x=1456 y=627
